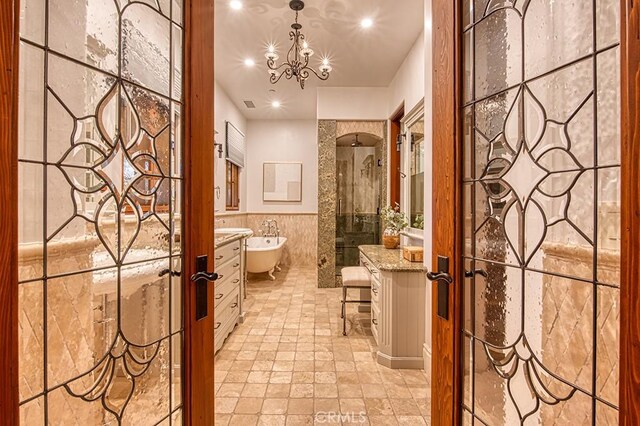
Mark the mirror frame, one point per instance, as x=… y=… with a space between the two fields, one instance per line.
x=415 y=115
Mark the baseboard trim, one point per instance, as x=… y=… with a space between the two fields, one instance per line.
x=396 y=362
x=426 y=356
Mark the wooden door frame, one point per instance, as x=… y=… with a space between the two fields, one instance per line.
x=395 y=129
x=447 y=198
x=198 y=395
x=630 y=227
x=9 y=70
x=447 y=241
x=199 y=130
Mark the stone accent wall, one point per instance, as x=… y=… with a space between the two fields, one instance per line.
x=327 y=135
x=301 y=233
x=300 y=229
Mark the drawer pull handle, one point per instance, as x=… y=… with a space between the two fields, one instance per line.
x=219 y=296
x=235 y=305
x=220 y=257
x=236 y=249
x=220 y=277
x=235 y=265
x=374 y=290
x=236 y=281
x=374 y=321
x=218 y=324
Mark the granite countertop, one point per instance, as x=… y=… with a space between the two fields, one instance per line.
x=226 y=238
x=390 y=260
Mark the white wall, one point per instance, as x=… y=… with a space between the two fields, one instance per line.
x=353 y=103
x=407 y=87
x=287 y=141
x=225 y=110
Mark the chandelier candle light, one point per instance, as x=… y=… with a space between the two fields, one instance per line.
x=297 y=64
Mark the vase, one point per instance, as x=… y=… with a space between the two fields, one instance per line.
x=390 y=239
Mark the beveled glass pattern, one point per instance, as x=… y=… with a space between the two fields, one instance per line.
x=100 y=180
x=541 y=215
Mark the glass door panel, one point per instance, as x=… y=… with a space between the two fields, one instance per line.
x=358 y=201
x=100 y=180
x=541 y=212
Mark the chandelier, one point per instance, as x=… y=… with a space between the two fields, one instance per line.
x=297 y=64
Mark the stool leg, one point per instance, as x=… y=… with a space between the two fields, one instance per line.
x=344 y=311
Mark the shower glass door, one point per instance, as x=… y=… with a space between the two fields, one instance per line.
x=358 y=200
x=100 y=181
x=541 y=222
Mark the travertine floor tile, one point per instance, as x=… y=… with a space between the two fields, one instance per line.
x=288 y=363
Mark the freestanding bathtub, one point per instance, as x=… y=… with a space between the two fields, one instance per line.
x=264 y=254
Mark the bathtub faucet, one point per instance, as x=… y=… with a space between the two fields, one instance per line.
x=270 y=228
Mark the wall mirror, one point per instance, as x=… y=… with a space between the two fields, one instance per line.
x=413 y=167
x=282 y=182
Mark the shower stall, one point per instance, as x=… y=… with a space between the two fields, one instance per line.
x=358 y=196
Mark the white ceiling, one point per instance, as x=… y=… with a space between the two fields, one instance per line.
x=359 y=57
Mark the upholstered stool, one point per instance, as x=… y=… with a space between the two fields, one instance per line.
x=353 y=277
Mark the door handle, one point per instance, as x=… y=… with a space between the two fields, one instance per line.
x=474 y=272
x=444 y=280
x=169 y=272
x=208 y=276
x=200 y=278
x=440 y=276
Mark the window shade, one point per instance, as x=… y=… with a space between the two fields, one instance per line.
x=235 y=145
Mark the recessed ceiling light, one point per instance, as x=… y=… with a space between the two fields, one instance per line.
x=235 y=4
x=275 y=104
x=366 y=23
x=249 y=62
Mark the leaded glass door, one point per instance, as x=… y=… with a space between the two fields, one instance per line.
x=100 y=212
x=541 y=222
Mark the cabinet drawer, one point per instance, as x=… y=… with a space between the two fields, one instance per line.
x=364 y=261
x=228 y=269
x=226 y=253
x=226 y=317
x=376 y=289
x=227 y=287
x=375 y=321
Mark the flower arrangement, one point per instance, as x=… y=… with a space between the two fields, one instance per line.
x=395 y=221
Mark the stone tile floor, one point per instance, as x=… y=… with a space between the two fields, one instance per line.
x=288 y=363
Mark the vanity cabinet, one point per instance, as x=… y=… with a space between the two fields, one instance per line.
x=229 y=289
x=397 y=306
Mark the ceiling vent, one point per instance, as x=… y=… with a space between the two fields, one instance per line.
x=250 y=104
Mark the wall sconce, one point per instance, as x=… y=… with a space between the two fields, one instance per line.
x=400 y=139
x=218 y=144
